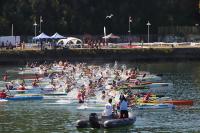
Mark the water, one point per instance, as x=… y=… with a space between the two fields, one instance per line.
x=38 y=116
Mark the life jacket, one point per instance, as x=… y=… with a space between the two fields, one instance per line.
x=137 y=82
x=79 y=96
x=34 y=84
x=133 y=76
x=5 y=77
x=21 y=88
x=146 y=97
x=3 y=95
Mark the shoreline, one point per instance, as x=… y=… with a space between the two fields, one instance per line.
x=112 y=54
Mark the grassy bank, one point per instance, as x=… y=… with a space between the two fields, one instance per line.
x=150 y=54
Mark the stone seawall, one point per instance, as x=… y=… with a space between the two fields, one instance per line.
x=151 y=54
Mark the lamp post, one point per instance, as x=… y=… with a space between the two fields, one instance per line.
x=12 y=28
x=148 y=24
x=129 y=28
x=35 y=25
x=41 y=20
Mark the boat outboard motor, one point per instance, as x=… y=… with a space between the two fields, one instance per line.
x=93 y=120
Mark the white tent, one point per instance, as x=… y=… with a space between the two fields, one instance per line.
x=70 y=42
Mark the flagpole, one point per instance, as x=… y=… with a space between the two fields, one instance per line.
x=129 y=28
x=35 y=25
x=12 y=30
x=41 y=24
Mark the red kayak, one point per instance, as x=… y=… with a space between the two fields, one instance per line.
x=180 y=102
x=177 y=102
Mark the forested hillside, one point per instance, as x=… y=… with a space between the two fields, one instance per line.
x=88 y=16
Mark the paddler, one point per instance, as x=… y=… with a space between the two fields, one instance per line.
x=5 y=76
x=34 y=83
x=10 y=85
x=80 y=97
x=146 y=97
x=22 y=87
x=103 y=95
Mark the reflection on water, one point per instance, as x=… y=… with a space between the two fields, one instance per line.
x=37 y=116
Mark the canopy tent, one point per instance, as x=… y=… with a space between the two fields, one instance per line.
x=112 y=36
x=41 y=36
x=57 y=36
x=70 y=42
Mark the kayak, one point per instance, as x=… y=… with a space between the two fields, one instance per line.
x=147 y=85
x=30 y=76
x=157 y=100
x=153 y=100
x=3 y=100
x=55 y=96
x=24 y=97
x=27 y=91
x=156 y=106
x=149 y=78
x=175 y=102
x=155 y=85
x=133 y=87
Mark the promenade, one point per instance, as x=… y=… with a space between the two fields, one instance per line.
x=150 y=53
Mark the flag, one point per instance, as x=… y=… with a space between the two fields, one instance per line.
x=130 y=19
x=41 y=19
x=104 y=29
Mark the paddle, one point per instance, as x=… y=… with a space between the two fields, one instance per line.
x=143 y=76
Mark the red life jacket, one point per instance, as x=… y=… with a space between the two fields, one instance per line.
x=21 y=88
x=5 y=77
x=146 y=97
x=79 y=96
x=3 y=95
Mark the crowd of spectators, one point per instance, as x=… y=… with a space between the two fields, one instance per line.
x=9 y=45
x=94 y=43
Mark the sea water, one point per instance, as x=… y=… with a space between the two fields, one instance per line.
x=37 y=116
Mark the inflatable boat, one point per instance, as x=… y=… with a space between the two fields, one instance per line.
x=94 y=122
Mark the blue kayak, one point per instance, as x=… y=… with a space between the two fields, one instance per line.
x=157 y=106
x=16 y=98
